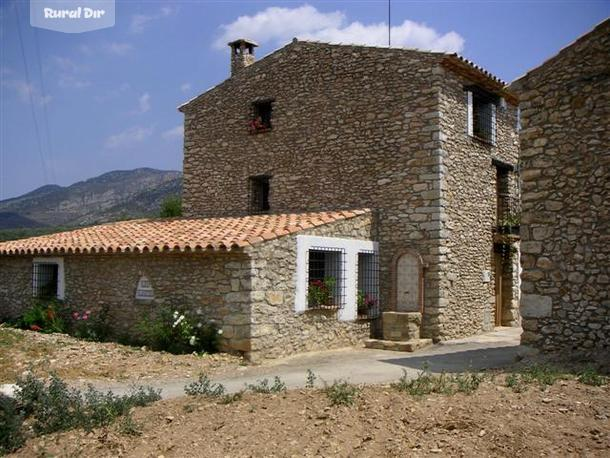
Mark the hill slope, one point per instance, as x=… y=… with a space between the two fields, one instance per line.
x=114 y=195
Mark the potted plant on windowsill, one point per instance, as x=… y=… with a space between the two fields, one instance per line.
x=321 y=293
x=509 y=225
x=365 y=304
x=257 y=126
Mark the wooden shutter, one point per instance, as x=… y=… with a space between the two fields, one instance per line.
x=469 y=129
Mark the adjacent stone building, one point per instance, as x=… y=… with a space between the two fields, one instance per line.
x=565 y=224
x=237 y=272
x=427 y=140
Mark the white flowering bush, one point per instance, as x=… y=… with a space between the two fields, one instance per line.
x=179 y=331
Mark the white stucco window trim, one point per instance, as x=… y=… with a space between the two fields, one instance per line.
x=351 y=248
x=61 y=284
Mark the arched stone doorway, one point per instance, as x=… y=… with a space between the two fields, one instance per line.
x=408 y=282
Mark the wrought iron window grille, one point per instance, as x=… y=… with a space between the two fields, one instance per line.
x=367 y=294
x=325 y=278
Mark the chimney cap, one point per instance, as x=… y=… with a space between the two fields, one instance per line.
x=244 y=41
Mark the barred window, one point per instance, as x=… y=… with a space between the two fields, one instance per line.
x=367 y=299
x=325 y=277
x=259 y=194
x=482 y=115
x=45 y=281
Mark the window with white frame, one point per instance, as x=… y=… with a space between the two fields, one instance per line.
x=482 y=115
x=48 y=278
x=325 y=276
x=367 y=299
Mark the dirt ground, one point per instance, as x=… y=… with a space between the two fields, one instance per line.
x=74 y=359
x=568 y=418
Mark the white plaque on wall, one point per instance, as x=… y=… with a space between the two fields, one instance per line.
x=144 y=290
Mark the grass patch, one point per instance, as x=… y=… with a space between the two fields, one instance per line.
x=427 y=383
x=263 y=386
x=589 y=376
x=341 y=393
x=543 y=375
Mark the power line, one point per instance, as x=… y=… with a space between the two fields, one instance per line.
x=29 y=90
x=44 y=109
x=389 y=23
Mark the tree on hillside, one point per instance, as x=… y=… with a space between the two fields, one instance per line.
x=171 y=206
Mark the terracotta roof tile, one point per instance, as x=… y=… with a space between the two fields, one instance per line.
x=178 y=234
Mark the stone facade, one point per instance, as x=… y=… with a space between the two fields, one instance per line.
x=565 y=153
x=250 y=294
x=356 y=126
x=276 y=329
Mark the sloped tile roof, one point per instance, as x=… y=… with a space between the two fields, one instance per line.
x=176 y=234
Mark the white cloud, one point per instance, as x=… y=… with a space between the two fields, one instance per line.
x=128 y=137
x=185 y=87
x=118 y=49
x=176 y=132
x=278 y=25
x=143 y=104
x=140 y=21
x=26 y=91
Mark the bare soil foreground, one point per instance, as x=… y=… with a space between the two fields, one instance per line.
x=567 y=418
x=73 y=359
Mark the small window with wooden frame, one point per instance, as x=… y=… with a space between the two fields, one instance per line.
x=259 y=187
x=260 y=121
x=482 y=107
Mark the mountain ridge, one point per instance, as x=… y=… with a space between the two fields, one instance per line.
x=118 y=194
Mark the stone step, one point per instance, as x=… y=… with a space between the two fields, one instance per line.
x=404 y=345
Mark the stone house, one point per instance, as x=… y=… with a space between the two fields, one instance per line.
x=565 y=154
x=323 y=184
x=427 y=140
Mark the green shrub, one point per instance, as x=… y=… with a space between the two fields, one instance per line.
x=204 y=387
x=89 y=325
x=54 y=406
x=427 y=383
x=11 y=421
x=178 y=332
x=171 y=207
x=44 y=316
x=310 y=381
x=590 y=376
x=541 y=374
x=341 y=393
x=263 y=386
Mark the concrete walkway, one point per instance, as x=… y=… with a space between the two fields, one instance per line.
x=358 y=365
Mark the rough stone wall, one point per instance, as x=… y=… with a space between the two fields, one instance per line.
x=469 y=199
x=212 y=283
x=277 y=330
x=353 y=127
x=15 y=285
x=565 y=153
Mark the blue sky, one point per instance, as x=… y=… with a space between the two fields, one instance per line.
x=106 y=100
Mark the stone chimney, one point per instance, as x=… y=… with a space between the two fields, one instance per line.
x=242 y=54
